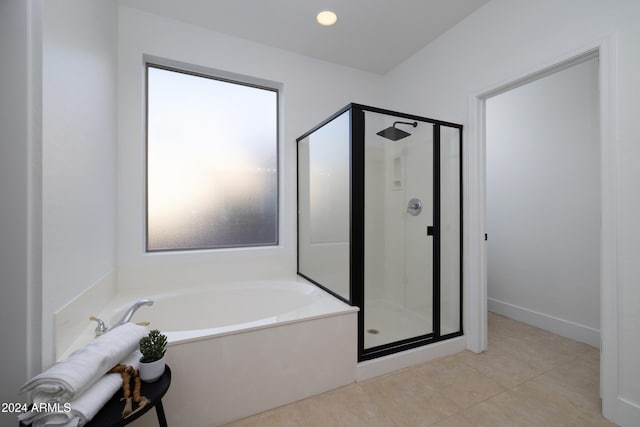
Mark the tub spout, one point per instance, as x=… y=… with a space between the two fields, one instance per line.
x=129 y=314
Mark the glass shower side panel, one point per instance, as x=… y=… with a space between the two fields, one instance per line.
x=398 y=278
x=323 y=206
x=450 y=230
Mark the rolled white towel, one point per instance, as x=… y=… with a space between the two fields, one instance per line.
x=67 y=379
x=82 y=409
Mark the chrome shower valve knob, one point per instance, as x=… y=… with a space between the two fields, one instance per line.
x=415 y=207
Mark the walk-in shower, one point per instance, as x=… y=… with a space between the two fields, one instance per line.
x=380 y=223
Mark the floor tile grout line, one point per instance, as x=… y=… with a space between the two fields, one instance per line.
x=506 y=389
x=525 y=362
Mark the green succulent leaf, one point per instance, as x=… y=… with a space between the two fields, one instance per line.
x=153 y=346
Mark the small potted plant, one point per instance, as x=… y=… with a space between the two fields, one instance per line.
x=153 y=347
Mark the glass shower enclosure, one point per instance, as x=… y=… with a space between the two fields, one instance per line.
x=380 y=223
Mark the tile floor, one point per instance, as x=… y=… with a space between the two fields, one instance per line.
x=528 y=377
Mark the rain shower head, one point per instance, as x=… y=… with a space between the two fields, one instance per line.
x=395 y=134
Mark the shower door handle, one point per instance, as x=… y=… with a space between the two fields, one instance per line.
x=429 y=230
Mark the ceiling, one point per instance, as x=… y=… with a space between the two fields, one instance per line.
x=371 y=35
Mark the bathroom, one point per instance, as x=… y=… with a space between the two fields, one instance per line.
x=90 y=208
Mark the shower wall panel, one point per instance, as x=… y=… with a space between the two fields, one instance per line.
x=323 y=204
x=377 y=242
x=450 y=230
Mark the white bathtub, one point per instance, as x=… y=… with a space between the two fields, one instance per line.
x=195 y=314
x=239 y=349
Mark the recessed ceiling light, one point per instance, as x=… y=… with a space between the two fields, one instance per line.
x=326 y=18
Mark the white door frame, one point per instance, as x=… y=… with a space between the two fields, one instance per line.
x=475 y=256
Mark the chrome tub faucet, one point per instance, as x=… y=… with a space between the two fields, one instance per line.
x=102 y=328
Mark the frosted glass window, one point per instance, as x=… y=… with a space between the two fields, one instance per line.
x=212 y=162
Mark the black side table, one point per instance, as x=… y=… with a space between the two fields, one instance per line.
x=111 y=413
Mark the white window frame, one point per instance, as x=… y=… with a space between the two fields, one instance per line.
x=223 y=76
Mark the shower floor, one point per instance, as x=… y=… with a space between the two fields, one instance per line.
x=386 y=322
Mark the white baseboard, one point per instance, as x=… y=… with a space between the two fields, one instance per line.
x=547 y=322
x=628 y=413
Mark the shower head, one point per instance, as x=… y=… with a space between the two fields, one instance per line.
x=393 y=133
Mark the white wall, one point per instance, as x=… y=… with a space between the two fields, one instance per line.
x=375 y=232
x=543 y=203
x=79 y=143
x=396 y=244
x=19 y=193
x=312 y=91
x=507 y=39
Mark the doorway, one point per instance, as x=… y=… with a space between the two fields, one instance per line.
x=543 y=202
x=475 y=268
